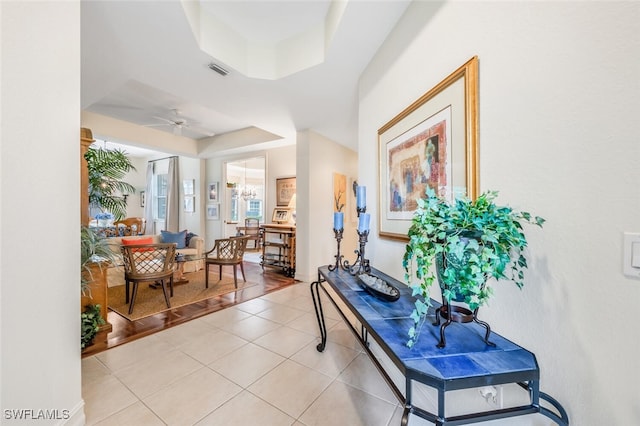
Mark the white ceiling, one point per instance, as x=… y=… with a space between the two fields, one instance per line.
x=142 y=63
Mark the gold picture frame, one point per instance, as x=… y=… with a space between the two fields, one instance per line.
x=285 y=190
x=432 y=143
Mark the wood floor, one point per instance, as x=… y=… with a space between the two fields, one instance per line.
x=125 y=331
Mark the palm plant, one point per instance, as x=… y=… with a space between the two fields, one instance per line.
x=107 y=168
x=93 y=249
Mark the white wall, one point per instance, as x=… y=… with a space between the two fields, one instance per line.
x=318 y=159
x=40 y=166
x=559 y=99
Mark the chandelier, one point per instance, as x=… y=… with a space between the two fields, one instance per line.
x=247 y=192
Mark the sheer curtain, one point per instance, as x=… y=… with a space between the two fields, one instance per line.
x=173 y=196
x=148 y=202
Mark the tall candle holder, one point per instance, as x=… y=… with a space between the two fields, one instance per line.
x=361 y=210
x=361 y=264
x=338 y=256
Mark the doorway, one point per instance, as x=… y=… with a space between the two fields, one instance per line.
x=245 y=192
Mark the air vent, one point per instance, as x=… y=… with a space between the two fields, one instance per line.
x=217 y=68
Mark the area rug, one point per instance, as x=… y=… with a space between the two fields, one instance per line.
x=150 y=301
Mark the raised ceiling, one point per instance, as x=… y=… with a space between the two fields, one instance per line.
x=147 y=63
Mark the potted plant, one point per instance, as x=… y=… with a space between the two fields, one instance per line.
x=462 y=244
x=107 y=168
x=94 y=255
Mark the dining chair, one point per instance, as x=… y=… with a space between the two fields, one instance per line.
x=226 y=251
x=130 y=226
x=252 y=230
x=154 y=263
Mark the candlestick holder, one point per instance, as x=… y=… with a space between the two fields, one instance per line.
x=361 y=210
x=338 y=256
x=361 y=264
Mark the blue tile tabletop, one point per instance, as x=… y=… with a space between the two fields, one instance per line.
x=465 y=358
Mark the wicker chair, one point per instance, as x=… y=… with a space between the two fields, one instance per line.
x=152 y=263
x=226 y=251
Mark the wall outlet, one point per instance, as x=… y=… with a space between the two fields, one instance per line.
x=493 y=395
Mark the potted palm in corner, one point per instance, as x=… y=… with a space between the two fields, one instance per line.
x=462 y=244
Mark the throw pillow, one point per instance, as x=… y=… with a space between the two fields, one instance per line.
x=136 y=241
x=180 y=238
x=189 y=236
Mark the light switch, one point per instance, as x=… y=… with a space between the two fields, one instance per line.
x=635 y=254
x=631 y=253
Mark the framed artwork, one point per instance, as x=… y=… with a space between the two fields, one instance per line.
x=189 y=204
x=214 y=192
x=433 y=143
x=213 y=211
x=339 y=192
x=281 y=215
x=142 y=194
x=285 y=189
x=188 y=185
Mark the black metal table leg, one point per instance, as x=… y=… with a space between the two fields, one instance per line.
x=317 y=304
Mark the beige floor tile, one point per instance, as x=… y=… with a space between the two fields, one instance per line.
x=137 y=414
x=283 y=296
x=284 y=341
x=290 y=387
x=303 y=303
x=341 y=404
x=308 y=323
x=225 y=317
x=93 y=369
x=280 y=313
x=252 y=328
x=332 y=361
x=192 y=398
x=246 y=364
x=362 y=374
x=104 y=397
x=255 y=306
x=210 y=346
x=246 y=409
x=342 y=335
x=146 y=378
x=140 y=350
x=183 y=333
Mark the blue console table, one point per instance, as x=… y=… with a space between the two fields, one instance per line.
x=465 y=362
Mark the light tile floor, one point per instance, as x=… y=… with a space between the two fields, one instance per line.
x=252 y=364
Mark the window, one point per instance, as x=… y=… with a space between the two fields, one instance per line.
x=161 y=196
x=233 y=213
x=254 y=208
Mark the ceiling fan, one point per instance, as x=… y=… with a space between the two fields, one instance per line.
x=178 y=123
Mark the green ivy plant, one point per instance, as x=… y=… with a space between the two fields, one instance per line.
x=463 y=243
x=91 y=320
x=107 y=168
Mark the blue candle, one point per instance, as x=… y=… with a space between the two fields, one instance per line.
x=338 y=220
x=361 y=197
x=363 y=222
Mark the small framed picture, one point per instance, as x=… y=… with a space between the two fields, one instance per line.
x=213 y=211
x=189 y=204
x=281 y=215
x=142 y=194
x=214 y=192
x=188 y=185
